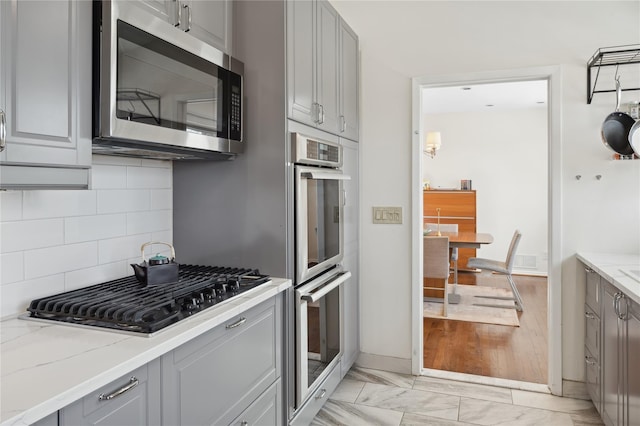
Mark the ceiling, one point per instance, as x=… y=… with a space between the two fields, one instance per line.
x=485 y=97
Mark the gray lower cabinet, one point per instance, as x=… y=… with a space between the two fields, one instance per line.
x=133 y=399
x=593 y=337
x=227 y=372
x=620 y=369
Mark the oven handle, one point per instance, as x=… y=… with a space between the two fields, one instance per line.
x=325 y=175
x=320 y=291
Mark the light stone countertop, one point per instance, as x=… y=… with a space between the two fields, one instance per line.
x=45 y=367
x=611 y=267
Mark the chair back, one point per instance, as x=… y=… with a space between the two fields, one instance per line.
x=511 y=254
x=444 y=227
x=436 y=257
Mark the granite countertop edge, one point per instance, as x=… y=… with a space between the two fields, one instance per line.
x=611 y=267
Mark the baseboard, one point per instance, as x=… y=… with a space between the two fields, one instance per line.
x=384 y=363
x=577 y=390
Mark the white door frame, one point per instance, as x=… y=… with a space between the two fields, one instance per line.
x=553 y=75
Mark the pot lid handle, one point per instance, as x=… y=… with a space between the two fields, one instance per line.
x=173 y=251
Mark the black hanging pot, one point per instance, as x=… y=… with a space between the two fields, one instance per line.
x=616 y=127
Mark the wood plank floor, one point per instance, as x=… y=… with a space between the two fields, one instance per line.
x=517 y=353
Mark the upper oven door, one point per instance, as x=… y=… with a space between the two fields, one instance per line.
x=319 y=220
x=161 y=85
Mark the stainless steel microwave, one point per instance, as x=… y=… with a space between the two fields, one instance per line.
x=159 y=92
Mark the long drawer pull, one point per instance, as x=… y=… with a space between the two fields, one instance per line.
x=237 y=323
x=323 y=392
x=133 y=382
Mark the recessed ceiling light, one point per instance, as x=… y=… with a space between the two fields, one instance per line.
x=466 y=88
x=489 y=105
x=540 y=102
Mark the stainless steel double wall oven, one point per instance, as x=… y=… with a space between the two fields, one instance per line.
x=319 y=247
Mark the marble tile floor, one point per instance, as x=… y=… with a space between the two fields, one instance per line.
x=373 y=397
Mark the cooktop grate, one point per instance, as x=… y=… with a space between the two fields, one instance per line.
x=126 y=304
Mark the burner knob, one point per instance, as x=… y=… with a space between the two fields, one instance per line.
x=233 y=284
x=220 y=287
x=209 y=294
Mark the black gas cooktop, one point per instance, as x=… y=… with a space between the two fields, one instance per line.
x=127 y=305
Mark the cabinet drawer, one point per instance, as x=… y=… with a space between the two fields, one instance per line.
x=592 y=332
x=132 y=399
x=265 y=410
x=314 y=403
x=592 y=295
x=215 y=377
x=592 y=367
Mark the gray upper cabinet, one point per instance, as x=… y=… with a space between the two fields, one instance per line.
x=133 y=399
x=45 y=94
x=209 y=21
x=349 y=93
x=322 y=68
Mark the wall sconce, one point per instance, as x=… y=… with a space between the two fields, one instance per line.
x=432 y=143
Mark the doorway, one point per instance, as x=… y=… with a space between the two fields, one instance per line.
x=490 y=222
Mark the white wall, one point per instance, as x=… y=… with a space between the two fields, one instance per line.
x=504 y=153
x=54 y=241
x=401 y=40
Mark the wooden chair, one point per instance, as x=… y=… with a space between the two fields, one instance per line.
x=504 y=268
x=436 y=266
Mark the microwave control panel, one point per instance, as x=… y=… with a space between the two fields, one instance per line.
x=308 y=150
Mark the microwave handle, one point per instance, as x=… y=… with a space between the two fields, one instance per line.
x=319 y=292
x=325 y=175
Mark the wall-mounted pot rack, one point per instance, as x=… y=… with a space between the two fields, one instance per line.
x=610 y=56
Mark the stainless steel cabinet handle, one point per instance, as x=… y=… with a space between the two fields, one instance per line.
x=321 y=118
x=133 y=382
x=179 y=8
x=244 y=423
x=323 y=392
x=589 y=360
x=589 y=315
x=343 y=124
x=589 y=270
x=316 y=112
x=3 y=131
x=188 y=17
x=616 y=304
x=237 y=323
x=622 y=315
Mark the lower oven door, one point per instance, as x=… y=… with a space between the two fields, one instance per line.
x=319 y=333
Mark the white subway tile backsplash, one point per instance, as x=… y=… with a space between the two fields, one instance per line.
x=65 y=258
x=49 y=204
x=90 y=228
x=31 y=234
x=15 y=297
x=55 y=241
x=166 y=164
x=151 y=221
x=149 y=177
x=108 y=177
x=11 y=267
x=115 y=160
x=123 y=200
x=123 y=248
x=161 y=199
x=95 y=275
x=10 y=205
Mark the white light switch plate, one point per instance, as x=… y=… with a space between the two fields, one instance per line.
x=390 y=215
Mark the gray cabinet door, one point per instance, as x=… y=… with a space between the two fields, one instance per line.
x=327 y=79
x=301 y=61
x=610 y=358
x=46 y=81
x=210 y=22
x=134 y=399
x=349 y=82
x=632 y=368
x=215 y=377
x=351 y=255
x=163 y=9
